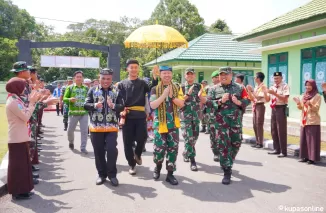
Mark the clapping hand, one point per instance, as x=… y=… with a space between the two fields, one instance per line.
x=109 y=102
x=249 y=88
x=191 y=89
x=296 y=100
x=272 y=92
x=166 y=92
x=235 y=100
x=324 y=86
x=225 y=97
x=34 y=96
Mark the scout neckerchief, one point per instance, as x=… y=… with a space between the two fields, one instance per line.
x=163 y=128
x=256 y=93
x=305 y=112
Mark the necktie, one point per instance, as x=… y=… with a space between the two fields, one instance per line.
x=305 y=112
x=273 y=103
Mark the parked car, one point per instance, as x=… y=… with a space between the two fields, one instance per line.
x=51 y=86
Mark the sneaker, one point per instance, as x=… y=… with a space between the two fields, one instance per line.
x=132 y=170
x=84 y=151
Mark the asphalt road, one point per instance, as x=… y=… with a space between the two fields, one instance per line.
x=261 y=183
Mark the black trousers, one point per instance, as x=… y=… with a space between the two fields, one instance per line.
x=105 y=143
x=134 y=130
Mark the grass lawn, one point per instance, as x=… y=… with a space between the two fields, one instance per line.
x=3 y=131
x=291 y=139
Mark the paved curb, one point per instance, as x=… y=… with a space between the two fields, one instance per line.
x=3 y=175
x=293 y=150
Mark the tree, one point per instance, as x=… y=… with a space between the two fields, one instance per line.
x=220 y=26
x=181 y=15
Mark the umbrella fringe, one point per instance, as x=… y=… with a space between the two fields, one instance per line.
x=166 y=45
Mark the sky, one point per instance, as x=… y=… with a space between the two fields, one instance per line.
x=241 y=15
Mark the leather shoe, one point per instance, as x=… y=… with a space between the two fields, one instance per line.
x=274 y=153
x=35 y=168
x=114 y=181
x=100 y=180
x=281 y=155
x=35 y=175
x=35 y=181
x=24 y=196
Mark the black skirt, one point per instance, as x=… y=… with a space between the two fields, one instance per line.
x=20 y=179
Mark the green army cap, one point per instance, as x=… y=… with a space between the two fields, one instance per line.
x=190 y=69
x=32 y=69
x=215 y=73
x=226 y=70
x=19 y=66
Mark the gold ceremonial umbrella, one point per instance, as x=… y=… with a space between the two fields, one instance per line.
x=155 y=36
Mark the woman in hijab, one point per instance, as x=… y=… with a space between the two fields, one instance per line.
x=20 y=180
x=310 y=125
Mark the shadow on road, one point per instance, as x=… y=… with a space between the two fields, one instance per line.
x=217 y=192
x=126 y=190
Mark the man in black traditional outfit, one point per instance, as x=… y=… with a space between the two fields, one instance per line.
x=132 y=95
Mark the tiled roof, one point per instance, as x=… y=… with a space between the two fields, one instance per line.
x=212 y=47
x=313 y=9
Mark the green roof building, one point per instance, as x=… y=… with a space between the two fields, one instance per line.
x=209 y=52
x=295 y=44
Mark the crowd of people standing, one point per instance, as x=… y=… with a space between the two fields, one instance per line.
x=143 y=107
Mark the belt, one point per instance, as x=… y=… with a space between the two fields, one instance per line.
x=280 y=106
x=261 y=103
x=136 y=108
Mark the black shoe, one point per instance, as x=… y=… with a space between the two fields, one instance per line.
x=114 y=181
x=24 y=196
x=259 y=146
x=71 y=146
x=35 y=168
x=65 y=126
x=207 y=132
x=227 y=176
x=281 y=155
x=203 y=129
x=31 y=193
x=157 y=172
x=303 y=160
x=216 y=158
x=171 y=179
x=40 y=132
x=193 y=165
x=100 y=180
x=274 y=153
x=254 y=146
x=35 y=175
x=311 y=162
x=35 y=181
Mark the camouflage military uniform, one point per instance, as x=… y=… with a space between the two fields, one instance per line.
x=210 y=114
x=165 y=143
x=190 y=119
x=228 y=126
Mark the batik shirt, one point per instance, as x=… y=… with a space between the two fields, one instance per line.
x=80 y=93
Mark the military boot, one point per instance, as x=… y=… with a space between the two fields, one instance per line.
x=227 y=176
x=193 y=165
x=157 y=171
x=171 y=179
x=203 y=128
x=216 y=158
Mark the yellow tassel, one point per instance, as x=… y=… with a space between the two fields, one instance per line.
x=163 y=128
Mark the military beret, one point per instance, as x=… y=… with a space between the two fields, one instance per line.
x=215 y=73
x=106 y=71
